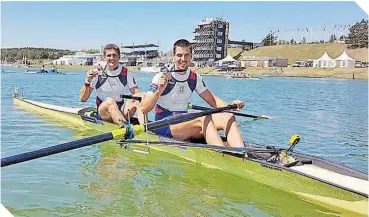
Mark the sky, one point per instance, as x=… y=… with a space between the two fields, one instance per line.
x=90 y=25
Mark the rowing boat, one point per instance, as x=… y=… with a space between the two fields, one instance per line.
x=313 y=179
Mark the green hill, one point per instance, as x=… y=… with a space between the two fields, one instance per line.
x=303 y=51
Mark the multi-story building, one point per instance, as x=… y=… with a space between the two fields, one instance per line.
x=210 y=42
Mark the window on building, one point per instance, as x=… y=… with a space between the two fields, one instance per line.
x=220 y=33
x=219 y=40
x=220 y=26
x=219 y=48
x=219 y=56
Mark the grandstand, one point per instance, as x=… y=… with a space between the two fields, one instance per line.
x=133 y=54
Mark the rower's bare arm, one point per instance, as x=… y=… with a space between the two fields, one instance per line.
x=85 y=93
x=213 y=100
x=149 y=101
x=157 y=88
x=86 y=90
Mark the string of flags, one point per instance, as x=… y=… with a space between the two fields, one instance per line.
x=306 y=29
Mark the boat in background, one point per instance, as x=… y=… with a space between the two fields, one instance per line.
x=149 y=69
x=6 y=65
x=242 y=76
x=38 y=71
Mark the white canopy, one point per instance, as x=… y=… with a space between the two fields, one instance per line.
x=326 y=61
x=325 y=57
x=345 y=61
x=344 y=57
x=228 y=58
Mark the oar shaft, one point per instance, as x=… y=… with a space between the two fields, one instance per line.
x=27 y=156
x=201 y=108
x=55 y=149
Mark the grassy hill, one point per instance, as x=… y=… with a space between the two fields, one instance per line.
x=303 y=51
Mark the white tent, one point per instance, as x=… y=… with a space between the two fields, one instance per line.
x=345 y=61
x=326 y=61
x=228 y=59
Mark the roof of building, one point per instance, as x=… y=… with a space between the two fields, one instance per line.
x=139 y=46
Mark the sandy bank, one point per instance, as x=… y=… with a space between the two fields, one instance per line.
x=358 y=73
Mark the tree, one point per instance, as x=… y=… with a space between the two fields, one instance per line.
x=332 y=38
x=269 y=40
x=17 y=54
x=358 y=35
x=303 y=40
x=91 y=51
x=292 y=41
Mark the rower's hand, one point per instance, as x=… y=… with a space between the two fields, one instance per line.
x=240 y=104
x=91 y=74
x=163 y=82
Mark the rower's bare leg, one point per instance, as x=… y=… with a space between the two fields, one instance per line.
x=200 y=127
x=210 y=132
x=109 y=110
x=134 y=106
x=227 y=123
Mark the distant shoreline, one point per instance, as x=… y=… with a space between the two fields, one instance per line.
x=309 y=72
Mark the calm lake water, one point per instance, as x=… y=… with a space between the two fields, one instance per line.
x=330 y=115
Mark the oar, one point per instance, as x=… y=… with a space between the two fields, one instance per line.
x=204 y=146
x=233 y=112
x=201 y=108
x=128 y=132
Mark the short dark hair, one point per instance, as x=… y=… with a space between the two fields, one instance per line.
x=112 y=46
x=181 y=43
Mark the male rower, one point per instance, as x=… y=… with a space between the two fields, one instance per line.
x=170 y=93
x=110 y=84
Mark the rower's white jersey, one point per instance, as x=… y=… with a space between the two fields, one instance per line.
x=113 y=87
x=179 y=96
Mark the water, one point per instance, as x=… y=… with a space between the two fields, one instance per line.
x=330 y=115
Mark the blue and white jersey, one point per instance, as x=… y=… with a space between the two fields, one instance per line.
x=112 y=84
x=176 y=96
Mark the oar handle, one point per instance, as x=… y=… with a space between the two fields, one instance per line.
x=131 y=97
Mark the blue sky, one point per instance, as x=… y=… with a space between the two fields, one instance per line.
x=81 y=25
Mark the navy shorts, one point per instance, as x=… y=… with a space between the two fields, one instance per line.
x=165 y=131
